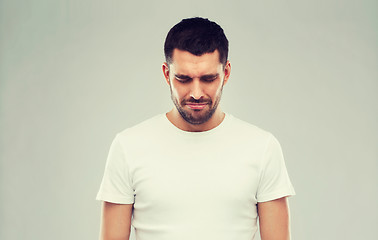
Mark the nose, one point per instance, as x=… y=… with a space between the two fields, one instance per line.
x=196 y=90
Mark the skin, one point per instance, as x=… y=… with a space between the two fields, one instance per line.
x=194 y=78
x=197 y=79
x=115 y=221
x=274 y=219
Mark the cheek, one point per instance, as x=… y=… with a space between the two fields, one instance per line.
x=177 y=92
x=216 y=90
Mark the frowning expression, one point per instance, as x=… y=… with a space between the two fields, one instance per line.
x=196 y=84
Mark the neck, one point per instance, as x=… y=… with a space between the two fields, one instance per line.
x=175 y=118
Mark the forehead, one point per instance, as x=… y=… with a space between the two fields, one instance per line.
x=184 y=62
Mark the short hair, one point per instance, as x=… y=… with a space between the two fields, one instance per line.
x=197 y=36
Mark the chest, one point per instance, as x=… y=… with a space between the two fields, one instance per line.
x=196 y=176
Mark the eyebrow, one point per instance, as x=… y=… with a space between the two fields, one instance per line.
x=181 y=76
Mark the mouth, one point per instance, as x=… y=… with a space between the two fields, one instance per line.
x=196 y=106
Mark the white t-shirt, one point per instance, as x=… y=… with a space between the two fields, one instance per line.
x=194 y=185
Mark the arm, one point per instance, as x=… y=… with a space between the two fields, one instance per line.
x=274 y=219
x=116 y=221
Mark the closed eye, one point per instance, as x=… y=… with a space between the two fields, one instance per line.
x=209 y=78
x=206 y=78
x=182 y=78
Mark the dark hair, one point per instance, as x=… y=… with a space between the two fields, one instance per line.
x=197 y=36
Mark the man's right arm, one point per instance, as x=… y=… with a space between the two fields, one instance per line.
x=116 y=221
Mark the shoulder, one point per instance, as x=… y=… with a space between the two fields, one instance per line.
x=143 y=130
x=245 y=130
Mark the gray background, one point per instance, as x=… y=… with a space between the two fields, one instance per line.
x=74 y=73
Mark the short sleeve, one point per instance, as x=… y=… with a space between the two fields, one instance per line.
x=274 y=179
x=116 y=186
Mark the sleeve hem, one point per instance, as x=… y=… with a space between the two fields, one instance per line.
x=276 y=195
x=113 y=199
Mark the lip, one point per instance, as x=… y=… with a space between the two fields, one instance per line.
x=196 y=105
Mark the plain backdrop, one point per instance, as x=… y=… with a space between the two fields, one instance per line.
x=74 y=73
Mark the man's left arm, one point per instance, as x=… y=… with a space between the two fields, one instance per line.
x=274 y=219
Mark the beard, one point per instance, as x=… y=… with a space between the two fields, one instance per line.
x=203 y=115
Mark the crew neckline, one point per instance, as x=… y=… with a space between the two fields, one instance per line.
x=218 y=128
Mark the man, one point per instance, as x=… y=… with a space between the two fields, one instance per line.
x=195 y=173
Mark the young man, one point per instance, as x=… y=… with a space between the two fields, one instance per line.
x=195 y=173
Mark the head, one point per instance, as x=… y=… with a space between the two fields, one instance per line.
x=196 y=68
x=197 y=36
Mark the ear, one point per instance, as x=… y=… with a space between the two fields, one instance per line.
x=227 y=72
x=165 y=69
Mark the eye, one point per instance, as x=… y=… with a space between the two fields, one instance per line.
x=182 y=80
x=209 y=79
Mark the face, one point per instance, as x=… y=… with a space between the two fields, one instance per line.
x=196 y=84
